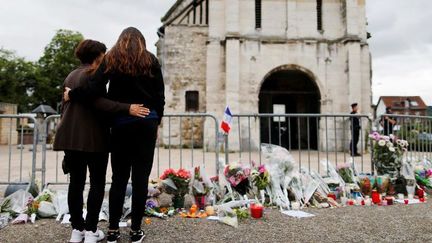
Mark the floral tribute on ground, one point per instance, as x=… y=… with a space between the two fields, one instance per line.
x=245 y=189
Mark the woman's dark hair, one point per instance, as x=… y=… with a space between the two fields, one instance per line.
x=129 y=55
x=88 y=50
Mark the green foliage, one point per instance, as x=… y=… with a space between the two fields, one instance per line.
x=56 y=63
x=17 y=80
x=29 y=84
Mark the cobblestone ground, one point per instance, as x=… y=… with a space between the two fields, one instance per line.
x=397 y=223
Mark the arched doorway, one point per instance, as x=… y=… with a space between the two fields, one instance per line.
x=289 y=90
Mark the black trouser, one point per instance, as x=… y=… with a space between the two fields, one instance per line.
x=354 y=141
x=133 y=149
x=97 y=165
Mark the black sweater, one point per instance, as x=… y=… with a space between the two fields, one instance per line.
x=124 y=88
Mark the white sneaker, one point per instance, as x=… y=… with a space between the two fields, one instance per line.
x=91 y=237
x=77 y=236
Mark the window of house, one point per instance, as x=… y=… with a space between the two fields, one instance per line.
x=192 y=101
x=258 y=12
x=319 y=15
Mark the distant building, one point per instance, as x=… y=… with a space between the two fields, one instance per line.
x=8 y=127
x=402 y=105
x=429 y=111
x=268 y=56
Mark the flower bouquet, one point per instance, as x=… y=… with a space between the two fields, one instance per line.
x=238 y=177
x=177 y=184
x=200 y=187
x=383 y=182
x=366 y=184
x=261 y=180
x=387 y=154
x=346 y=172
x=423 y=176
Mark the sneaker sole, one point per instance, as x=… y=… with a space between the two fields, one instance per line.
x=140 y=240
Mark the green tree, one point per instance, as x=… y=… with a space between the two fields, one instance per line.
x=17 y=80
x=56 y=63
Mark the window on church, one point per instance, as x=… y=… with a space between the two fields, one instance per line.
x=192 y=101
x=319 y=15
x=258 y=12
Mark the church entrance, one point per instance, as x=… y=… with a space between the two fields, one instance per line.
x=289 y=91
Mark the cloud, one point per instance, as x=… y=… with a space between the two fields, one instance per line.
x=28 y=25
x=401 y=47
x=400 y=44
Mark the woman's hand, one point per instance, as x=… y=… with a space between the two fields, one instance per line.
x=66 y=94
x=138 y=110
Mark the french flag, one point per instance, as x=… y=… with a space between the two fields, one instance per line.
x=227 y=119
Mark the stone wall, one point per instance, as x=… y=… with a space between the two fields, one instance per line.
x=183 y=55
x=228 y=61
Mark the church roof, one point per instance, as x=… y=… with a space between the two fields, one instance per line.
x=171 y=10
x=401 y=102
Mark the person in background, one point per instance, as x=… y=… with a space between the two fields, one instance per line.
x=83 y=135
x=388 y=122
x=135 y=76
x=355 y=130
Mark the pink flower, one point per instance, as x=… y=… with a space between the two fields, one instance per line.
x=166 y=173
x=261 y=169
x=182 y=173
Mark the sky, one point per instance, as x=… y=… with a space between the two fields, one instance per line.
x=401 y=43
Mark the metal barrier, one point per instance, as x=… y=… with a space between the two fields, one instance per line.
x=417 y=130
x=181 y=143
x=309 y=137
x=14 y=161
x=188 y=140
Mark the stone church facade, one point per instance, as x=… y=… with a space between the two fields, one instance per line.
x=304 y=56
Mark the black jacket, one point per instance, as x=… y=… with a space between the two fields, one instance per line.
x=84 y=126
x=355 y=122
x=142 y=89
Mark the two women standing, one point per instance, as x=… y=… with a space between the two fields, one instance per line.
x=134 y=77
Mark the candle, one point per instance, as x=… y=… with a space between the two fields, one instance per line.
x=420 y=193
x=401 y=196
x=257 y=211
x=389 y=200
x=332 y=195
x=422 y=199
x=376 y=197
x=384 y=202
x=359 y=200
x=406 y=201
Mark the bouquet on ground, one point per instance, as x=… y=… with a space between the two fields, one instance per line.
x=387 y=154
x=423 y=175
x=346 y=172
x=201 y=187
x=238 y=177
x=176 y=183
x=261 y=180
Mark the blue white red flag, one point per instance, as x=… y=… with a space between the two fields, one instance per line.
x=227 y=120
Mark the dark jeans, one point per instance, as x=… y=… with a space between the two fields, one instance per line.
x=97 y=165
x=133 y=150
x=354 y=141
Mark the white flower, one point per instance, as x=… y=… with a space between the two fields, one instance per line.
x=381 y=143
x=392 y=136
x=386 y=138
x=392 y=149
x=389 y=144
